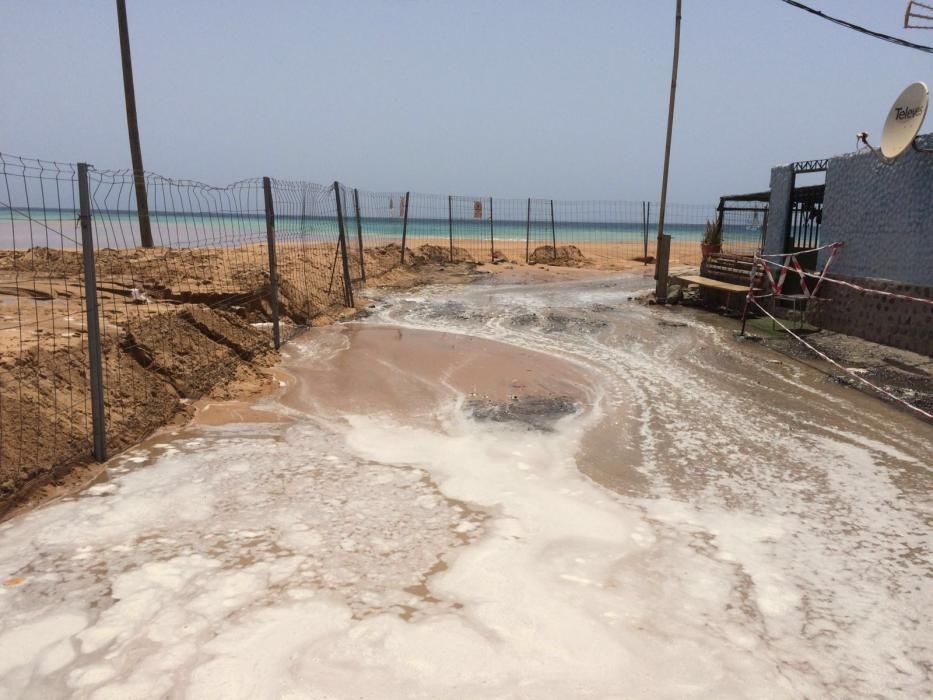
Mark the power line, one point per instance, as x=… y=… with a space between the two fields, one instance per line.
x=856 y=27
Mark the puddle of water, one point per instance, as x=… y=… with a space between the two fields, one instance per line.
x=762 y=533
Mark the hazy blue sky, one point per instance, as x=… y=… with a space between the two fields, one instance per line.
x=552 y=99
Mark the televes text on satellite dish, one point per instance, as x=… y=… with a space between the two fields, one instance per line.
x=907 y=112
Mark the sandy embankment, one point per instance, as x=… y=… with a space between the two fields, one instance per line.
x=203 y=333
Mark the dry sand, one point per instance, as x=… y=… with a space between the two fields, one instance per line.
x=202 y=331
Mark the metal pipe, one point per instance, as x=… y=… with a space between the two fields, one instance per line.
x=92 y=317
x=359 y=231
x=405 y=225
x=273 y=265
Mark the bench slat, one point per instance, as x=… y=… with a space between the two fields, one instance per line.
x=709 y=282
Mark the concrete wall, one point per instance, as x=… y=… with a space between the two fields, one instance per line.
x=884 y=215
x=882 y=319
x=782 y=183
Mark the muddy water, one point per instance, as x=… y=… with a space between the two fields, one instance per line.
x=504 y=490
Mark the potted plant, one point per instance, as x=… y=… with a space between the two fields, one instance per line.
x=712 y=239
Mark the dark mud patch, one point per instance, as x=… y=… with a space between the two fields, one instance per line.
x=553 y=322
x=904 y=374
x=533 y=412
x=455 y=311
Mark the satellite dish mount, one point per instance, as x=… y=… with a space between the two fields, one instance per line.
x=903 y=124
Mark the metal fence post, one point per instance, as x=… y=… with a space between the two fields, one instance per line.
x=644 y=226
x=405 y=224
x=553 y=234
x=95 y=356
x=492 y=235
x=359 y=231
x=273 y=266
x=342 y=242
x=450 y=224
x=528 y=233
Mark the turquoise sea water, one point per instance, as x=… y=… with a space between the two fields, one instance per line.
x=120 y=229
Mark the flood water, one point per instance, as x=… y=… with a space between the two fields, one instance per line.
x=501 y=490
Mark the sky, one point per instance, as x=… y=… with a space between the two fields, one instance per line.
x=564 y=100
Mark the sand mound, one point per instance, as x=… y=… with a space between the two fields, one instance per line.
x=439 y=254
x=564 y=255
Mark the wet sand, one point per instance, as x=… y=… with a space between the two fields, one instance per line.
x=370 y=369
x=715 y=520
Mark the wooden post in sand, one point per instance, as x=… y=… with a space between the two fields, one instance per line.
x=660 y=290
x=405 y=225
x=132 y=127
x=663 y=262
x=359 y=231
x=93 y=319
x=553 y=234
x=273 y=265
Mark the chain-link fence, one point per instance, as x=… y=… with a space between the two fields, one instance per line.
x=103 y=340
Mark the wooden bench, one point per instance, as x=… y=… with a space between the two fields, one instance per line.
x=713 y=284
x=725 y=273
x=731 y=268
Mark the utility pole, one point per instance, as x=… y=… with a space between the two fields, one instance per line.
x=139 y=177
x=663 y=259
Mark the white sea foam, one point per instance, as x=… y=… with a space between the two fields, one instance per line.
x=365 y=556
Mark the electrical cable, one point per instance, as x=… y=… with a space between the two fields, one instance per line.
x=858 y=28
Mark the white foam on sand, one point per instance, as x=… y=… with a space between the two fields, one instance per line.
x=362 y=556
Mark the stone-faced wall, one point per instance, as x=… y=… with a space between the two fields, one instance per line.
x=883 y=212
x=782 y=185
x=887 y=320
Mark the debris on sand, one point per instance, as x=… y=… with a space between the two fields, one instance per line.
x=564 y=256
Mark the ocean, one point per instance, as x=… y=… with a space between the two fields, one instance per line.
x=119 y=229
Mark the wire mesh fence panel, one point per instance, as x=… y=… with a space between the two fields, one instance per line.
x=542 y=231
x=44 y=405
x=607 y=233
x=381 y=218
x=685 y=223
x=508 y=229
x=743 y=229
x=471 y=226
x=308 y=255
x=177 y=319
x=425 y=227
x=233 y=269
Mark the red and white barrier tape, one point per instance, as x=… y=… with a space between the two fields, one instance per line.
x=779 y=285
x=836 y=244
x=833 y=280
x=849 y=372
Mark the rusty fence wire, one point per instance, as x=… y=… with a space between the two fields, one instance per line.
x=103 y=340
x=45 y=415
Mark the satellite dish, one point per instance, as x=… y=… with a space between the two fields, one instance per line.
x=904 y=120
